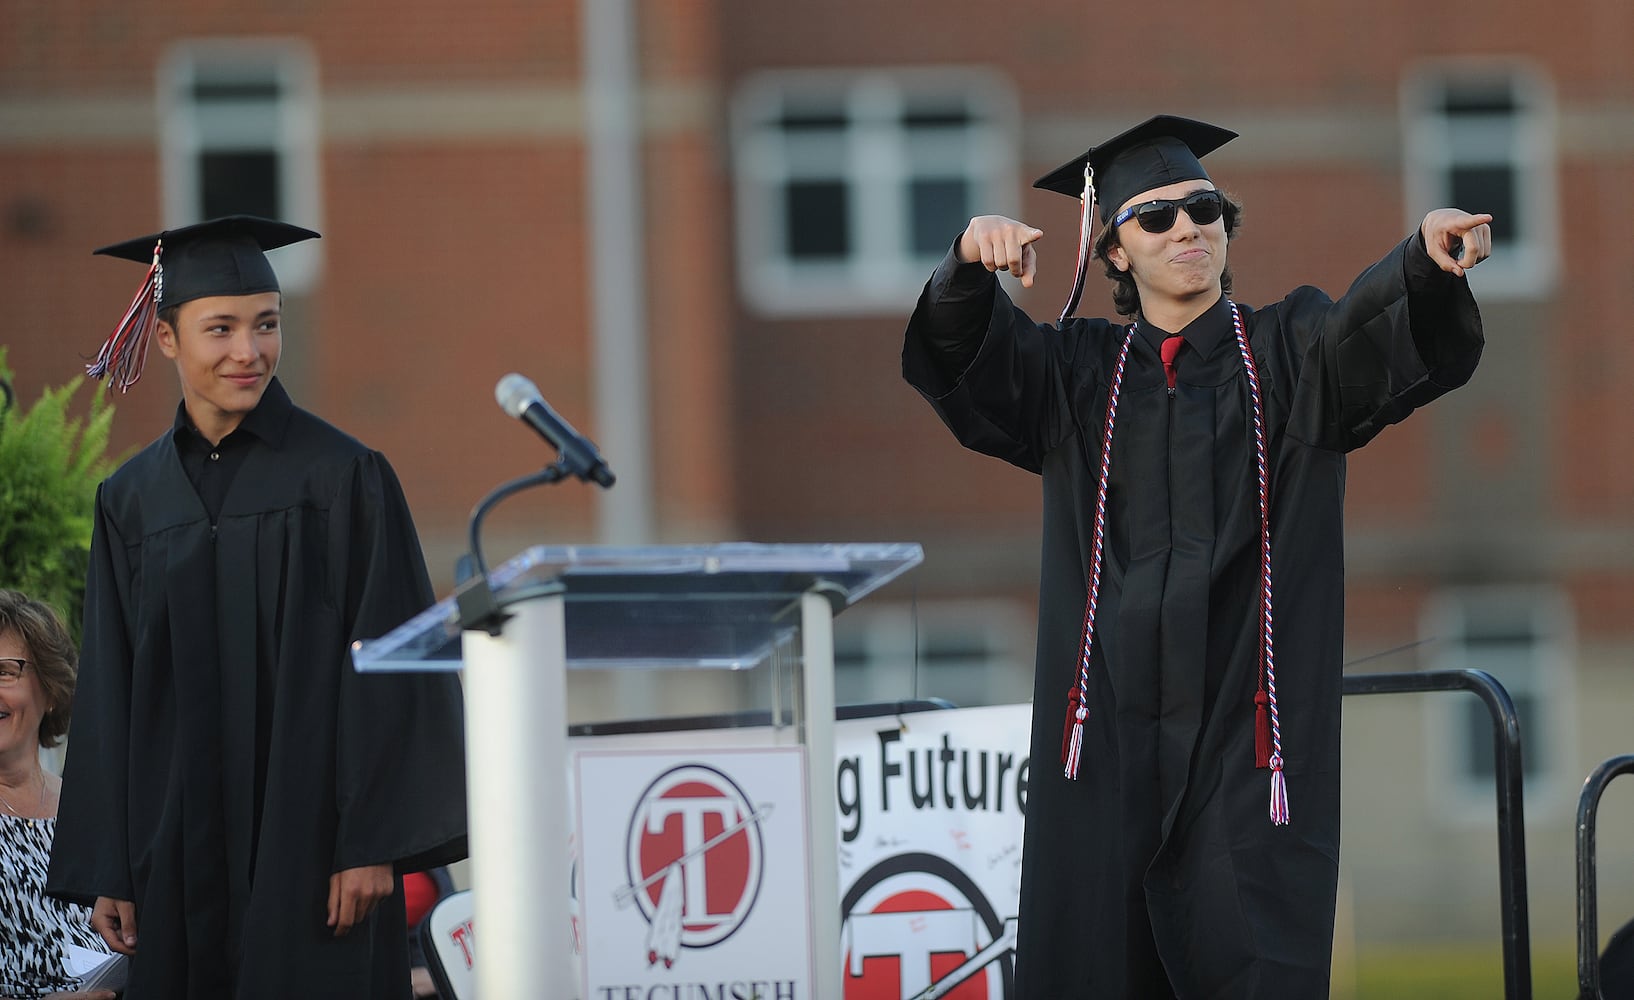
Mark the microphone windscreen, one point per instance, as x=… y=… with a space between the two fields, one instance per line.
x=515 y=393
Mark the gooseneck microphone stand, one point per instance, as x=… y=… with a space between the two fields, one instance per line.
x=475 y=595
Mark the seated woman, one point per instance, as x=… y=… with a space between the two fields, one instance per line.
x=37 y=664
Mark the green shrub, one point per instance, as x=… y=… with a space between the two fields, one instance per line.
x=50 y=464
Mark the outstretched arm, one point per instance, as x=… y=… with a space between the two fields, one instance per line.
x=1406 y=332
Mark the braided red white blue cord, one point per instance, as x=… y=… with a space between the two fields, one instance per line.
x=1078 y=696
x=1072 y=747
x=1279 y=784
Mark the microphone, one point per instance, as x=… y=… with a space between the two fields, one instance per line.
x=518 y=396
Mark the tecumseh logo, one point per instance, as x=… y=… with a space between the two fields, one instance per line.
x=694 y=859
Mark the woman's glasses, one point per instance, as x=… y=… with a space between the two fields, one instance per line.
x=1158 y=216
x=11 y=670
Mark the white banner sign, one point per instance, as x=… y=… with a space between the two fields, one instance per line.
x=931 y=809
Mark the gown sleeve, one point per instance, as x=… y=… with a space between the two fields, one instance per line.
x=400 y=768
x=1001 y=383
x=1405 y=333
x=90 y=854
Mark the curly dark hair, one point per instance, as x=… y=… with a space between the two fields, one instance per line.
x=52 y=657
x=1125 y=296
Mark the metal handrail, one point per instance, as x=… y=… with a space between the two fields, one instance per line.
x=1511 y=812
x=1588 y=930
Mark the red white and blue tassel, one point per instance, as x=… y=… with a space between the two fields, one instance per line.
x=125 y=351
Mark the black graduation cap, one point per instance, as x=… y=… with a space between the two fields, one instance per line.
x=224 y=256
x=1161 y=150
x=220 y=257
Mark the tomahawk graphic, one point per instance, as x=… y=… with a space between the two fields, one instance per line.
x=664 y=930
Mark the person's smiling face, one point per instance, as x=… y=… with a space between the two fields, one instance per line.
x=1180 y=265
x=226 y=350
x=22 y=702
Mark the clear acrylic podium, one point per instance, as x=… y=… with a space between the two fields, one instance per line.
x=757 y=610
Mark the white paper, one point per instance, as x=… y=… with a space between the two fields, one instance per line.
x=94 y=969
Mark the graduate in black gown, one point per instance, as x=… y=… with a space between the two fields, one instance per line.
x=1182 y=833
x=240 y=800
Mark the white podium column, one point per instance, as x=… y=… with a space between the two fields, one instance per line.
x=817 y=672
x=516 y=772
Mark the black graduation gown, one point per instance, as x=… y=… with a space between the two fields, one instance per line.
x=1160 y=864
x=225 y=757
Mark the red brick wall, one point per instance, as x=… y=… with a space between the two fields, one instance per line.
x=91 y=48
x=62 y=302
x=450 y=261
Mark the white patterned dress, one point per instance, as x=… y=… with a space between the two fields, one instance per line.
x=34 y=927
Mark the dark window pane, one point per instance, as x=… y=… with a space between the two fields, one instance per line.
x=935 y=117
x=1492 y=637
x=810 y=120
x=972 y=646
x=239 y=183
x=235 y=90
x=1479 y=99
x=818 y=218
x=1488 y=189
x=850 y=645
x=1478 y=734
x=940 y=210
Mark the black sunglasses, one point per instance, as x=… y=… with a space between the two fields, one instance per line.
x=1158 y=216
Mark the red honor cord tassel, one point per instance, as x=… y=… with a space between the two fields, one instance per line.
x=1262 y=730
x=1072 y=741
x=1279 y=792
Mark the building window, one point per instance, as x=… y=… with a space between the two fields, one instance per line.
x=1522 y=636
x=239 y=135
x=967 y=652
x=851 y=186
x=1481 y=137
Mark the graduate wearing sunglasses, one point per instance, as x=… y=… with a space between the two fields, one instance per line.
x=1182 y=832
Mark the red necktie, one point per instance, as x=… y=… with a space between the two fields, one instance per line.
x=1169 y=351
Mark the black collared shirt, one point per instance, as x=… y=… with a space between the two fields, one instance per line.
x=211 y=468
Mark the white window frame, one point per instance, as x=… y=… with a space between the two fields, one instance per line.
x=286 y=126
x=1526 y=142
x=1459 y=794
x=894 y=640
x=882 y=272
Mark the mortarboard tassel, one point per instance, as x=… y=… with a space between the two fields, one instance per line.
x=125 y=351
x=1086 y=209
